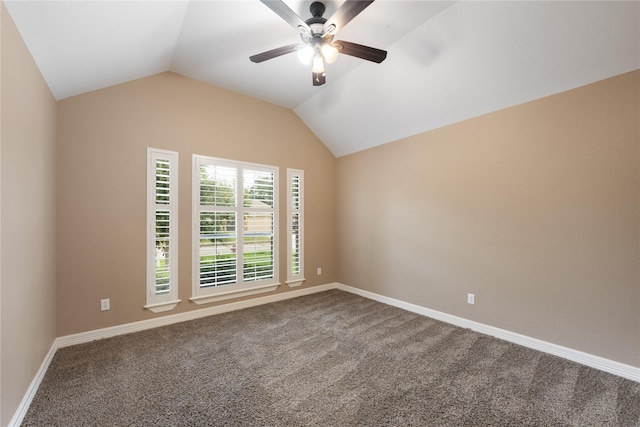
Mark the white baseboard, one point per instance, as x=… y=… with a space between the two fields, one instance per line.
x=33 y=387
x=606 y=365
x=597 y=362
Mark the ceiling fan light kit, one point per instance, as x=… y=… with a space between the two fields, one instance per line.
x=317 y=34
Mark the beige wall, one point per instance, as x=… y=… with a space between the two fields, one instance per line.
x=27 y=219
x=534 y=208
x=102 y=141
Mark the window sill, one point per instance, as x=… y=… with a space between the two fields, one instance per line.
x=162 y=306
x=294 y=283
x=235 y=293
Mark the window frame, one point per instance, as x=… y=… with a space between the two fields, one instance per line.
x=240 y=288
x=155 y=302
x=295 y=279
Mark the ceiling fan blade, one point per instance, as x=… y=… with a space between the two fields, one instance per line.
x=285 y=12
x=360 y=51
x=319 y=79
x=345 y=13
x=274 y=53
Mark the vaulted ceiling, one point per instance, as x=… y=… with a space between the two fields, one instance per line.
x=447 y=61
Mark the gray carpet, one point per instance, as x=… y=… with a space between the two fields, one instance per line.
x=328 y=359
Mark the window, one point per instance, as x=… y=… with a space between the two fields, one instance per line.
x=235 y=217
x=162 y=230
x=295 y=235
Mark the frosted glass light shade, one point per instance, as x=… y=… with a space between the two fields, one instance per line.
x=305 y=55
x=329 y=52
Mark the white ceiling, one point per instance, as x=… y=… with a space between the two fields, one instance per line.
x=447 y=61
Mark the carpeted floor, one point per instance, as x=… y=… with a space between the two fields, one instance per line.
x=328 y=359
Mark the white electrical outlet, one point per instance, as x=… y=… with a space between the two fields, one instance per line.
x=319 y=271
x=471 y=298
x=105 y=304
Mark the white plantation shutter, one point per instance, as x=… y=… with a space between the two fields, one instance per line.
x=217 y=253
x=258 y=225
x=218 y=185
x=258 y=261
x=163 y=255
x=295 y=245
x=295 y=216
x=235 y=219
x=258 y=188
x=162 y=231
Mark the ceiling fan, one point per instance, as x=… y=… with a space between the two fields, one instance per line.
x=317 y=35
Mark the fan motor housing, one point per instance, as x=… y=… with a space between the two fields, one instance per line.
x=317 y=10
